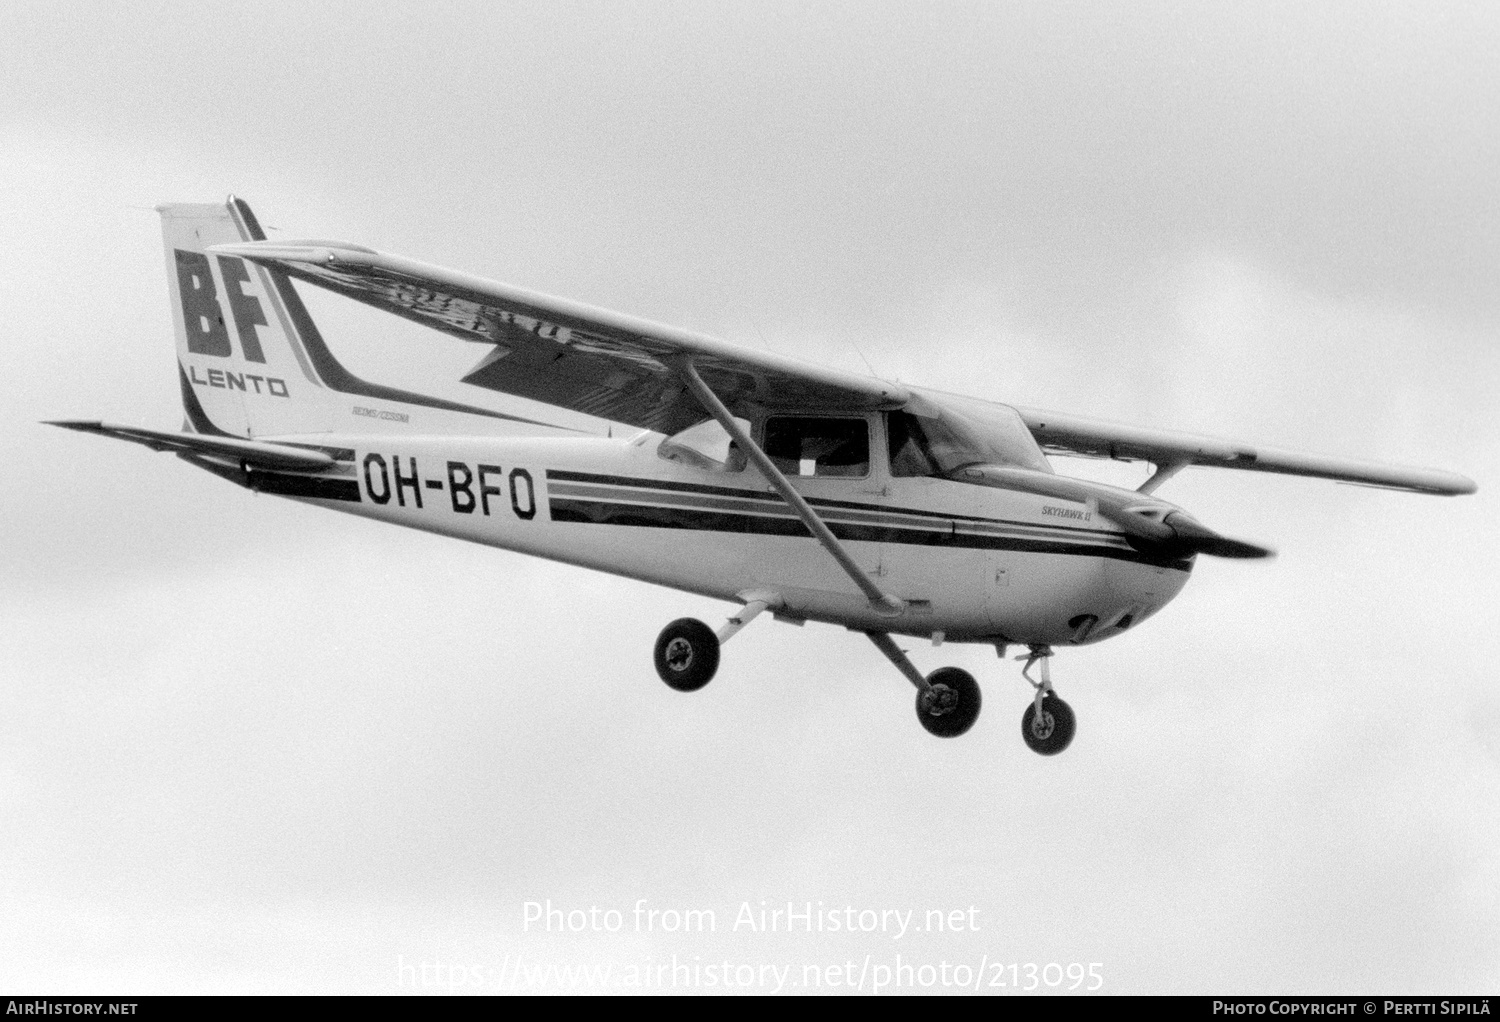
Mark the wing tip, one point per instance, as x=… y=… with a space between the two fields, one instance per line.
x=1443 y=484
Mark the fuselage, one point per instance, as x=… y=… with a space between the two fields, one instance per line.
x=976 y=563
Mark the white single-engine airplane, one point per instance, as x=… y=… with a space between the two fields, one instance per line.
x=816 y=494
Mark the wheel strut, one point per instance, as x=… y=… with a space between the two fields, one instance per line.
x=754 y=604
x=1043 y=687
x=1048 y=724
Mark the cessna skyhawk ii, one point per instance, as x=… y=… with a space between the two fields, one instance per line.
x=815 y=494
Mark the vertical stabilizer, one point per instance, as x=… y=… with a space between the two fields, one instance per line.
x=242 y=370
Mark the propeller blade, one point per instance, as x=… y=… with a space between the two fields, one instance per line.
x=1178 y=533
x=1191 y=535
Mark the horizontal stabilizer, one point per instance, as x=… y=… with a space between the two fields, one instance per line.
x=253 y=452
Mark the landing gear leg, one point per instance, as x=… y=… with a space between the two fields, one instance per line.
x=687 y=651
x=1047 y=725
x=749 y=612
x=947 y=699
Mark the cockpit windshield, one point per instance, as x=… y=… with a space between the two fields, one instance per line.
x=937 y=434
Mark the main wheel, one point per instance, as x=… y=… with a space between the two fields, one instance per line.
x=950 y=704
x=1049 y=733
x=687 y=654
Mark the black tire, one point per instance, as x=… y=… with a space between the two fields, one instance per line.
x=950 y=705
x=687 y=654
x=1054 y=732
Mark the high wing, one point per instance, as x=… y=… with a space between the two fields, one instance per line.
x=629 y=370
x=1060 y=433
x=568 y=354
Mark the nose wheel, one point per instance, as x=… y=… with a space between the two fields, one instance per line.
x=1048 y=723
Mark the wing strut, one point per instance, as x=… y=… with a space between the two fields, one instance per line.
x=1164 y=470
x=879 y=599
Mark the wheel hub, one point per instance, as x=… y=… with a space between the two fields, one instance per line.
x=1042 y=726
x=939 y=700
x=679 y=654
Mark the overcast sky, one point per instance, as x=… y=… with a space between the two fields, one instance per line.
x=249 y=745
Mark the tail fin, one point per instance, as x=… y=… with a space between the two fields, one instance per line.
x=251 y=360
x=241 y=362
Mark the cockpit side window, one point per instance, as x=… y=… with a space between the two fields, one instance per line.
x=816 y=446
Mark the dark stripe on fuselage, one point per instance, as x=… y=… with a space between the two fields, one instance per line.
x=655 y=517
x=561 y=476
x=286 y=484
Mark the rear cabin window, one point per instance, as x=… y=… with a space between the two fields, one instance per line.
x=807 y=446
x=706 y=445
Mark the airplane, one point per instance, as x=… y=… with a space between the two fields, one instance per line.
x=614 y=443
